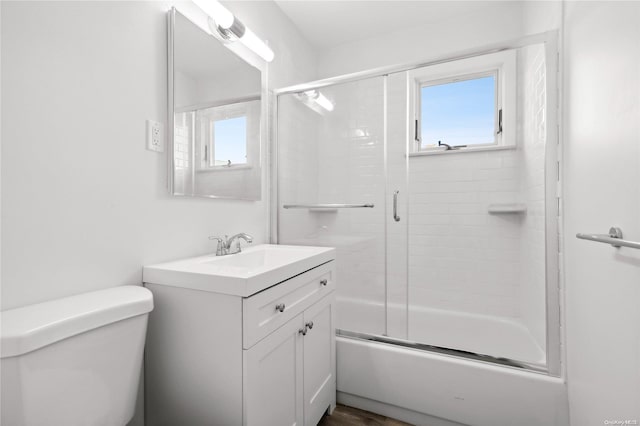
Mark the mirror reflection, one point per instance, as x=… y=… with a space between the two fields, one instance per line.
x=216 y=117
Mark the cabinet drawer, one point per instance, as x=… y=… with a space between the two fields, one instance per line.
x=266 y=311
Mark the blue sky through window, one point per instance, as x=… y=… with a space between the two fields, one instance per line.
x=458 y=113
x=230 y=138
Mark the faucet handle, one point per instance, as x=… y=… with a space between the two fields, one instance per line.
x=221 y=249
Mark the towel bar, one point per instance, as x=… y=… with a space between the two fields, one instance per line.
x=614 y=238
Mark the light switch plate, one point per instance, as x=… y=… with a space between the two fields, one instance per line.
x=155 y=136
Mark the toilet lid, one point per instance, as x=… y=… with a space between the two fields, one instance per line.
x=31 y=327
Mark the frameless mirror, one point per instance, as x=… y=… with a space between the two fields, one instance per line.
x=215 y=116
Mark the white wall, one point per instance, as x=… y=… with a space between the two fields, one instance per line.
x=495 y=23
x=602 y=189
x=84 y=204
x=540 y=16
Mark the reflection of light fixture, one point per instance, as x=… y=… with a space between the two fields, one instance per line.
x=318 y=98
x=360 y=133
x=222 y=22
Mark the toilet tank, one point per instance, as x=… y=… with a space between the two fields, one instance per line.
x=74 y=361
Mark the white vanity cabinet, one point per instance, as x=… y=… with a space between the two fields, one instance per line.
x=290 y=376
x=265 y=359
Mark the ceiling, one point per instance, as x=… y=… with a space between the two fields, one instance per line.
x=326 y=23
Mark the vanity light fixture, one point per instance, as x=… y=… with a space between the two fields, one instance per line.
x=318 y=98
x=231 y=29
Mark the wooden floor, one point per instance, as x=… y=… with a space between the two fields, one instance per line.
x=348 y=416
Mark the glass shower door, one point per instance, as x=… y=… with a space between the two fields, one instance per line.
x=332 y=190
x=443 y=248
x=478 y=214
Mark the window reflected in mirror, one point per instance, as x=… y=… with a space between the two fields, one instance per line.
x=216 y=100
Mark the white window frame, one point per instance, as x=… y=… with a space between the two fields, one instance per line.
x=206 y=122
x=502 y=65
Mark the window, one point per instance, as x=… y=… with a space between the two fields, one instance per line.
x=230 y=141
x=465 y=105
x=229 y=135
x=459 y=113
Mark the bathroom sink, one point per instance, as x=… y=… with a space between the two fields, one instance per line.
x=242 y=274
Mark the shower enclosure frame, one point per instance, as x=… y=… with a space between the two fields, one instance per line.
x=553 y=200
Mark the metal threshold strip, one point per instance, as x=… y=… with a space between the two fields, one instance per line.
x=535 y=368
x=327 y=206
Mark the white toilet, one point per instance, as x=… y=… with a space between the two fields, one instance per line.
x=74 y=361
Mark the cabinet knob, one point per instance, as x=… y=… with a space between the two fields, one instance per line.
x=303 y=331
x=324 y=282
x=280 y=307
x=309 y=325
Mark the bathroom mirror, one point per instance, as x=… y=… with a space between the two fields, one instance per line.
x=215 y=116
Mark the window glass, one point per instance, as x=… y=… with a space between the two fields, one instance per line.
x=230 y=141
x=458 y=113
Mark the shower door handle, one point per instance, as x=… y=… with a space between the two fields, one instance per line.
x=395 y=206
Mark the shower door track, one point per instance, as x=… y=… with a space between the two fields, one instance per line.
x=454 y=353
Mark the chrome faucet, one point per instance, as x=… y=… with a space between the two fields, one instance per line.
x=224 y=243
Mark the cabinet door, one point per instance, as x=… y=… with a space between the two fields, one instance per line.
x=319 y=361
x=273 y=378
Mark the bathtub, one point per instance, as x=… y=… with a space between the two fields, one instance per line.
x=438 y=389
x=425 y=388
x=481 y=334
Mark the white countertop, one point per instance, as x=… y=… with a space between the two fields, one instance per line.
x=243 y=274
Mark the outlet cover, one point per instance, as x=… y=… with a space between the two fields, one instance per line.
x=155 y=136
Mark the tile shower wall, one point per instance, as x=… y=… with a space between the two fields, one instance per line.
x=462 y=258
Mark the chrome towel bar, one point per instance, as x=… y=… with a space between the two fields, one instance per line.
x=327 y=206
x=614 y=238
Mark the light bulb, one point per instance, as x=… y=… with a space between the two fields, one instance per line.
x=219 y=13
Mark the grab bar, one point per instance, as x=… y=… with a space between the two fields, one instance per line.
x=614 y=238
x=327 y=206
